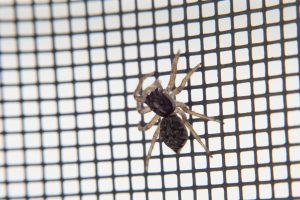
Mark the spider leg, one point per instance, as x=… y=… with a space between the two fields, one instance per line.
x=155 y=135
x=142 y=98
x=184 y=81
x=201 y=116
x=150 y=124
x=142 y=110
x=171 y=83
x=194 y=133
x=136 y=95
x=151 y=88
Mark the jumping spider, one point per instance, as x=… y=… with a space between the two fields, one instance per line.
x=172 y=128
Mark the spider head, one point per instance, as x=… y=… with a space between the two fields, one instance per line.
x=160 y=102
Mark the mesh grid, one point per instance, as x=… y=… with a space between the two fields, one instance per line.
x=68 y=119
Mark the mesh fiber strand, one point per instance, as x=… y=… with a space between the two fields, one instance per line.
x=69 y=121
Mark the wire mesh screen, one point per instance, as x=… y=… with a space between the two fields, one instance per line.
x=68 y=117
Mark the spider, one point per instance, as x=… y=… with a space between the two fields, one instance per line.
x=172 y=128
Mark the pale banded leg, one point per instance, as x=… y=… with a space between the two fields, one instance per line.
x=171 y=83
x=185 y=80
x=142 y=98
x=155 y=135
x=151 y=88
x=150 y=124
x=190 y=127
x=142 y=110
x=187 y=110
x=136 y=95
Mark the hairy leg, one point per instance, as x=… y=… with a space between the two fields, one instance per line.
x=185 y=80
x=171 y=83
x=142 y=110
x=151 y=88
x=201 y=116
x=150 y=124
x=155 y=135
x=136 y=95
x=194 y=133
x=141 y=98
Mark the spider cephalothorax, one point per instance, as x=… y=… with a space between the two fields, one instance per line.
x=172 y=128
x=160 y=103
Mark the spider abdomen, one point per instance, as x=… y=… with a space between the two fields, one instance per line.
x=160 y=103
x=173 y=132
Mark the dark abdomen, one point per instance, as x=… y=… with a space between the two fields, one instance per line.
x=160 y=103
x=173 y=132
